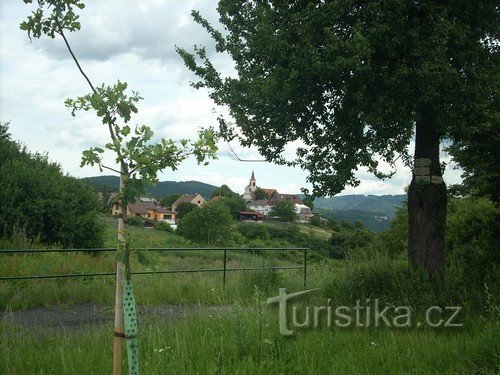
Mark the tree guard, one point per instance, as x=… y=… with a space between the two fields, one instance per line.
x=130 y=325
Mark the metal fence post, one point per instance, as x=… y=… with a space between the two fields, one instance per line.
x=225 y=267
x=305 y=266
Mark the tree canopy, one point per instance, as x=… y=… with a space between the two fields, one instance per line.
x=283 y=211
x=348 y=80
x=209 y=224
x=352 y=83
x=37 y=196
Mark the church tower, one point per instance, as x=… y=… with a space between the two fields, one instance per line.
x=250 y=189
x=253 y=183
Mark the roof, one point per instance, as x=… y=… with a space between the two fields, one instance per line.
x=112 y=197
x=142 y=205
x=270 y=191
x=259 y=202
x=185 y=198
x=251 y=213
x=281 y=197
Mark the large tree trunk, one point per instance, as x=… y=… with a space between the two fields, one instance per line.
x=427 y=201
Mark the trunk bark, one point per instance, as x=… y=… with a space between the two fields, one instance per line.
x=120 y=268
x=427 y=201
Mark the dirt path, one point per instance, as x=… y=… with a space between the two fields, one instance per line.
x=78 y=316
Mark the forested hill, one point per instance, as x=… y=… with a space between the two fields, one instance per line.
x=161 y=189
x=380 y=204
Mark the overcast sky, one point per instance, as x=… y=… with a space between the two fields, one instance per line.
x=133 y=41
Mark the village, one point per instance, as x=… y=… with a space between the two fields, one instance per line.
x=259 y=202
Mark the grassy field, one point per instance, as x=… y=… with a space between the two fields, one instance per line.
x=241 y=336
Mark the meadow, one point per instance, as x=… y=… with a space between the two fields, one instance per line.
x=223 y=330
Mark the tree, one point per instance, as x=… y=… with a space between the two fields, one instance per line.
x=184 y=208
x=354 y=82
x=234 y=204
x=209 y=224
x=138 y=160
x=48 y=205
x=223 y=191
x=260 y=193
x=284 y=211
x=309 y=202
x=168 y=200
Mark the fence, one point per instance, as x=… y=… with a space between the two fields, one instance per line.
x=224 y=270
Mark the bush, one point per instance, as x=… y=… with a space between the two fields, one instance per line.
x=163 y=226
x=135 y=221
x=265 y=279
x=51 y=206
x=209 y=224
x=254 y=231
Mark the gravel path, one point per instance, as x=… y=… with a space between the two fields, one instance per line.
x=78 y=316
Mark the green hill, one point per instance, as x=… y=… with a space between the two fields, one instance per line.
x=161 y=189
x=378 y=204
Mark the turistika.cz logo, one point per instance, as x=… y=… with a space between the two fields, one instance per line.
x=364 y=314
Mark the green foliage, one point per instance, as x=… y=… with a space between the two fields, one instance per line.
x=348 y=238
x=284 y=211
x=36 y=195
x=259 y=193
x=163 y=226
x=395 y=239
x=472 y=241
x=234 y=204
x=317 y=221
x=168 y=200
x=139 y=160
x=135 y=221
x=223 y=191
x=184 y=208
x=210 y=224
x=337 y=77
x=254 y=231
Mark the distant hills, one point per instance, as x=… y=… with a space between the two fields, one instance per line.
x=380 y=204
x=374 y=211
x=161 y=189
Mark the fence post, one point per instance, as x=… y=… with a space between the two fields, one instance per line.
x=225 y=267
x=305 y=266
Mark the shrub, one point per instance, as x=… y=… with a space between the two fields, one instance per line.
x=135 y=221
x=163 y=226
x=209 y=224
x=254 y=231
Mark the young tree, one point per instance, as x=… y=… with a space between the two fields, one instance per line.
x=284 y=211
x=138 y=160
x=353 y=83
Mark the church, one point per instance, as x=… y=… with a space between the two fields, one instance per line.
x=265 y=205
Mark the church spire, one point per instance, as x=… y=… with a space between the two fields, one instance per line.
x=253 y=177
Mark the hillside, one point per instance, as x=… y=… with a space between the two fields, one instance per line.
x=379 y=204
x=162 y=189
x=374 y=221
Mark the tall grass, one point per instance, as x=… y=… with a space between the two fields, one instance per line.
x=246 y=341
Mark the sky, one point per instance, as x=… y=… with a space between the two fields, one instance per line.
x=134 y=41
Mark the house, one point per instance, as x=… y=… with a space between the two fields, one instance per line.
x=250 y=216
x=264 y=206
x=146 y=208
x=196 y=199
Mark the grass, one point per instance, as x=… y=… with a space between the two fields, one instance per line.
x=239 y=337
x=247 y=341
x=151 y=289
